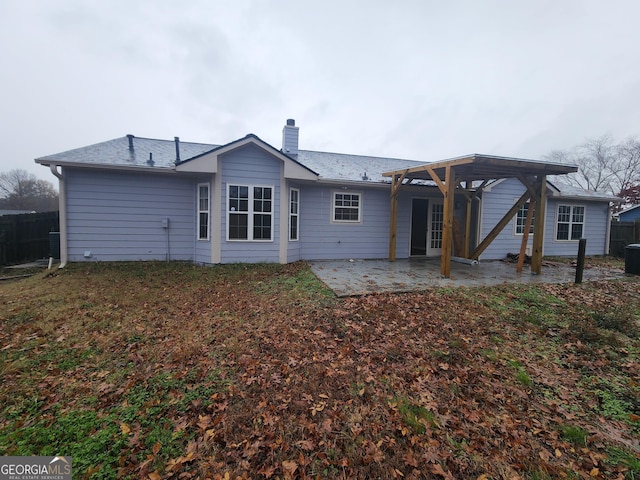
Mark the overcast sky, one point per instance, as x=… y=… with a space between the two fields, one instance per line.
x=417 y=79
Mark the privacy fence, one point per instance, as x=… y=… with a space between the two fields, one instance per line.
x=623 y=234
x=25 y=237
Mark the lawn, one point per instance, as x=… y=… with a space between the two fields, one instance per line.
x=169 y=370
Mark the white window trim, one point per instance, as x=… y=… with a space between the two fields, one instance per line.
x=297 y=215
x=333 y=207
x=515 y=222
x=250 y=213
x=584 y=222
x=208 y=212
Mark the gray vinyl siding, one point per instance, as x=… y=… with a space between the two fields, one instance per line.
x=501 y=197
x=322 y=239
x=118 y=216
x=250 y=165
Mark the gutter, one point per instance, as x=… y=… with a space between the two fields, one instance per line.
x=104 y=166
x=62 y=207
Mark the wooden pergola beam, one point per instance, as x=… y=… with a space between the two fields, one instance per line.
x=436 y=178
x=479 y=168
x=500 y=225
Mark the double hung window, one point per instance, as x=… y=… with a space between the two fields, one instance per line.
x=347 y=207
x=570 y=222
x=521 y=219
x=294 y=209
x=250 y=212
x=203 y=211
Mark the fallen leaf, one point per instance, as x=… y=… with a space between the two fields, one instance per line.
x=125 y=429
x=289 y=466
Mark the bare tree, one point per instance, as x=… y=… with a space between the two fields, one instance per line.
x=603 y=164
x=21 y=190
x=627 y=168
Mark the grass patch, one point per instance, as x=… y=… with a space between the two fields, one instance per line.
x=94 y=440
x=415 y=416
x=575 y=435
x=629 y=461
x=618 y=319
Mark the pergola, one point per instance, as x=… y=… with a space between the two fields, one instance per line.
x=468 y=176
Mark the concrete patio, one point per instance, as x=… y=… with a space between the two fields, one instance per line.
x=361 y=277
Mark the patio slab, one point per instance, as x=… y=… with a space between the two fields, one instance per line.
x=362 y=277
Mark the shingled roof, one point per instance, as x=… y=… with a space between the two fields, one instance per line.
x=116 y=153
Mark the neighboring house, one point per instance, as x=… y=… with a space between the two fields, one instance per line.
x=246 y=201
x=14 y=212
x=631 y=214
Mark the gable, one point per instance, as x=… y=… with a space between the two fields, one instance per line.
x=209 y=162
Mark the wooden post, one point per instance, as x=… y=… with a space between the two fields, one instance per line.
x=396 y=183
x=447 y=230
x=538 y=227
x=466 y=245
x=393 y=225
x=582 y=248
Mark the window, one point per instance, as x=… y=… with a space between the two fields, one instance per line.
x=521 y=219
x=250 y=212
x=203 y=211
x=346 y=207
x=294 y=207
x=570 y=222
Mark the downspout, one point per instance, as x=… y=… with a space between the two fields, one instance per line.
x=62 y=207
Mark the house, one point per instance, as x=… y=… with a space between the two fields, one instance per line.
x=631 y=214
x=135 y=198
x=15 y=212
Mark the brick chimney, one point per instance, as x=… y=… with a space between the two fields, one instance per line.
x=290 y=138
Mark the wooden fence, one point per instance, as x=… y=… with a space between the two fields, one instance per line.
x=25 y=237
x=622 y=234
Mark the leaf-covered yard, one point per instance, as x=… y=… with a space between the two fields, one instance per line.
x=155 y=370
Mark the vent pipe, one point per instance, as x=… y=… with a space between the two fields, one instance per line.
x=177 y=140
x=130 y=137
x=150 y=162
